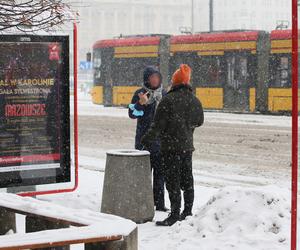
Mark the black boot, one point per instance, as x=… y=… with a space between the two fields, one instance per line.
x=185 y=213
x=170 y=221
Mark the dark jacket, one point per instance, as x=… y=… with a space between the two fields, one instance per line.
x=176 y=118
x=146 y=116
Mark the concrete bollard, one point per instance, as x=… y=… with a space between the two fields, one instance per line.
x=127 y=190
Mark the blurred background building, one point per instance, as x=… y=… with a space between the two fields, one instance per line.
x=102 y=19
x=251 y=14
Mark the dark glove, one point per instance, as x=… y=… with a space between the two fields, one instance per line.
x=145 y=142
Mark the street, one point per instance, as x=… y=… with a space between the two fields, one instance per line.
x=239 y=144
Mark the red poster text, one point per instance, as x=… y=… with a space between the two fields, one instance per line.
x=25 y=110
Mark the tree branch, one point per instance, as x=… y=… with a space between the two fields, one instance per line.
x=34 y=14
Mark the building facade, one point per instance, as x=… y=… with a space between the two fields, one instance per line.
x=105 y=19
x=245 y=14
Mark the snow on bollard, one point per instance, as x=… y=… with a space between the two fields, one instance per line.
x=127 y=190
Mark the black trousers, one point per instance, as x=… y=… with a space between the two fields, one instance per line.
x=158 y=180
x=179 y=176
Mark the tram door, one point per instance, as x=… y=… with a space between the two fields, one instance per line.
x=106 y=77
x=236 y=89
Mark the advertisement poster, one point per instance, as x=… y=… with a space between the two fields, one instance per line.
x=34 y=110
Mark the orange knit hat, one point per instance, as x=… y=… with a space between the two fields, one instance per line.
x=182 y=75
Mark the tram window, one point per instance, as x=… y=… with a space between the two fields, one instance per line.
x=97 y=64
x=244 y=69
x=237 y=71
x=190 y=58
x=281 y=71
x=212 y=70
x=130 y=70
x=231 y=71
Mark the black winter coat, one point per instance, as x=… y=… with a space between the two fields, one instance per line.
x=176 y=118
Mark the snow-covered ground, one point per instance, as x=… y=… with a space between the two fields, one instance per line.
x=85 y=108
x=233 y=218
x=236 y=206
x=230 y=148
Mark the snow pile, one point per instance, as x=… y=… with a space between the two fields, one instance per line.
x=237 y=218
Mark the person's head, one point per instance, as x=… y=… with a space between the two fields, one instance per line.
x=155 y=80
x=182 y=75
x=152 y=78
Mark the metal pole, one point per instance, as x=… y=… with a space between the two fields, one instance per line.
x=192 y=17
x=294 y=124
x=211 y=15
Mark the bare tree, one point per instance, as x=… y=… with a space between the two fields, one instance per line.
x=34 y=15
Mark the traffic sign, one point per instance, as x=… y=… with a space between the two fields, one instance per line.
x=84 y=65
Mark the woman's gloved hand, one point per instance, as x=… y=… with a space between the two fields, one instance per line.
x=145 y=142
x=143 y=98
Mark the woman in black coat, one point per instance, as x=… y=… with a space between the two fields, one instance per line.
x=177 y=116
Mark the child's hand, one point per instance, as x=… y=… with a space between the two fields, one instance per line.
x=143 y=98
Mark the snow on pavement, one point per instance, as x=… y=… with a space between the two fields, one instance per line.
x=202 y=177
x=86 y=108
x=89 y=194
x=252 y=145
x=231 y=211
x=234 y=217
